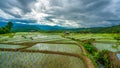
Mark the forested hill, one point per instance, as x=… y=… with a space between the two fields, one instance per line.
x=25 y=28
x=112 y=29
x=46 y=28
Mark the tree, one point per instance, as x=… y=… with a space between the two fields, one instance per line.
x=9 y=25
x=7 y=28
x=117 y=38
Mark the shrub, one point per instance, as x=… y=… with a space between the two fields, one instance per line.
x=91 y=49
x=102 y=57
x=117 y=38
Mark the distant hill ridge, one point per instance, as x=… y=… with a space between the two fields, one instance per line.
x=27 y=28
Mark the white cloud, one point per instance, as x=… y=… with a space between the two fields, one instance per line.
x=5 y=15
x=20 y=22
x=16 y=11
x=35 y=15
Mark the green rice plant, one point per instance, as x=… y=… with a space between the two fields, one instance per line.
x=115 y=46
x=31 y=38
x=11 y=35
x=96 y=55
x=93 y=60
x=91 y=49
x=102 y=57
x=24 y=36
x=117 y=38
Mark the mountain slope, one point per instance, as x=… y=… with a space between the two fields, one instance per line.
x=113 y=29
x=24 y=28
x=27 y=28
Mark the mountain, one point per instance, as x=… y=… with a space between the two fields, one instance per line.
x=112 y=29
x=50 y=28
x=27 y=28
x=24 y=28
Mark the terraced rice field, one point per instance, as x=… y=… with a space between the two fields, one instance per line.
x=10 y=46
x=69 y=48
x=38 y=60
x=33 y=54
x=107 y=46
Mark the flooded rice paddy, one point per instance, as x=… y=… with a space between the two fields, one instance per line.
x=10 y=46
x=69 y=48
x=107 y=46
x=38 y=60
x=35 y=56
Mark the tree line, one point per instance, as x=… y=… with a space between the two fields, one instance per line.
x=6 y=28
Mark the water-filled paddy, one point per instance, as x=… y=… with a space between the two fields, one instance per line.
x=107 y=46
x=70 y=48
x=38 y=60
x=32 y=37
x=118 y=56
x=10 y=46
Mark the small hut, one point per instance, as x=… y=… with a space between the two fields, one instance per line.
x=67 y=32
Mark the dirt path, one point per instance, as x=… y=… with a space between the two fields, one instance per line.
x=86 y=59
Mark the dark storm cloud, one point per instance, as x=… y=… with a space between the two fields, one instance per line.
x=7 y=5
x=78 y=8
x=82 y=13
x=25 y=5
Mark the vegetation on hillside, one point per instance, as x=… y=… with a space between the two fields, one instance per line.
x=113 y=29
x=55 y=29
x=7 y=28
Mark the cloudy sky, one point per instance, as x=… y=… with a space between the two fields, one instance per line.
x=66 y=13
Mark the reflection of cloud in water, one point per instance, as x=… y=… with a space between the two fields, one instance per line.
x=118 y=55
x=106 y=46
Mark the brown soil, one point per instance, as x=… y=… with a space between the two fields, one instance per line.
x=113 y=58
x=86 y=59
